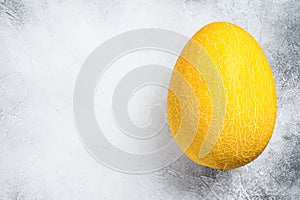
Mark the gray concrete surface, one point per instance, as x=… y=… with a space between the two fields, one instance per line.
x=42 y=47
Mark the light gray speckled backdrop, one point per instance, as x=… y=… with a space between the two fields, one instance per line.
x=42 y=47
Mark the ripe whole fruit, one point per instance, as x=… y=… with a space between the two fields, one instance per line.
x=235 y=95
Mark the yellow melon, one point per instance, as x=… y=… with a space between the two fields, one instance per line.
x=232 y=110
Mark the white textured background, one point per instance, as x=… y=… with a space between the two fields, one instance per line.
x=42 y=47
